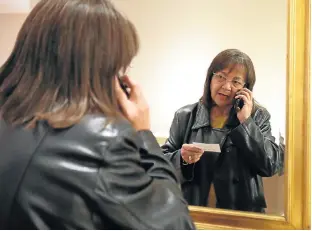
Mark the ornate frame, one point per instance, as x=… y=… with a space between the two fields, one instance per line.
x=298 y=138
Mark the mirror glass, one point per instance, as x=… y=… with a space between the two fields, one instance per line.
x=180 y=40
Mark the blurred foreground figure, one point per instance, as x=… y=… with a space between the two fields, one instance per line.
x=76 y=152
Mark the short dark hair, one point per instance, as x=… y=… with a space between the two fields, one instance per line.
x=64 y=62
x=228 y=59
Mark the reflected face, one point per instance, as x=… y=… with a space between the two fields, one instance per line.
x=225 y=83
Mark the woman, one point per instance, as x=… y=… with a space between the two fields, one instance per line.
x=230 y=179
x=76 y=153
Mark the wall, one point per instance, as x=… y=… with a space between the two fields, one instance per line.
x=16 y=6
x=9 y=27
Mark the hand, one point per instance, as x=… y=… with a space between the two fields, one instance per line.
x=246 y=95
x=190 y=153
x=134 y=108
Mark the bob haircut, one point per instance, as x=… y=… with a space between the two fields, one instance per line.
x=230 y=58
x=64 y=62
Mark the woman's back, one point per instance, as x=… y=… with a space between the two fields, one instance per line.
x=76 y=152
x=87 y=177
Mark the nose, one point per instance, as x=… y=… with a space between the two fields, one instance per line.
x=227 y=85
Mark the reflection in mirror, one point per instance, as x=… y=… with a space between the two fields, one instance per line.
x=197 y=57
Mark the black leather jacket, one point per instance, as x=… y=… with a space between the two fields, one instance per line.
x=87 y=177
x=248 y=151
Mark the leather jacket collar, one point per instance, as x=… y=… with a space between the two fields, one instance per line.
x=202 y=118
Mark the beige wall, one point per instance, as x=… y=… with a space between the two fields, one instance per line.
x=9 y=26
x=14 y=6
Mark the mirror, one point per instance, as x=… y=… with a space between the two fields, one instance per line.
x=179 y=40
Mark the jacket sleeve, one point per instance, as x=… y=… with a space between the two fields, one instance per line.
x=258 y=145
x=172 y=150
x=137 y=187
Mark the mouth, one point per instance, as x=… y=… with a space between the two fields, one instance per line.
x=224 y=95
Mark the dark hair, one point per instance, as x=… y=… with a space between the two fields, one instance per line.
x=229 y=58
x=64 y=62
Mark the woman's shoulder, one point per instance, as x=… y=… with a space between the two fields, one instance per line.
x=92 y=130
x=92 y=137
x=105 y=126
x=260 y=113
x=187 y=109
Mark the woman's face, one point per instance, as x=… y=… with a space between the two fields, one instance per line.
x=225 y=84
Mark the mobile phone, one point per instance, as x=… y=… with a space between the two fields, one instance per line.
x=238 y=104
x=123 y=86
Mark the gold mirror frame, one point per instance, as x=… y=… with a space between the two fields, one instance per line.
x=297 y=186
x=297 y=164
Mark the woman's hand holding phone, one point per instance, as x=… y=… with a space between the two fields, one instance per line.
x=245 y=112
x=134 y=106
x=123 y=86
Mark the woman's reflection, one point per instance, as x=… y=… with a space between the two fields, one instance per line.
x=230 y=179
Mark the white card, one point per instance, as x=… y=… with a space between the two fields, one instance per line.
x=208 y=147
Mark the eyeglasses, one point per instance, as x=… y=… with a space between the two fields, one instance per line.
x=222 y=79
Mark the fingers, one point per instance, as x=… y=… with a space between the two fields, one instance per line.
x=121 y=95
x=249 y=91
x=192 y=148
x=191 y=157
x=135 y=91
x=246 y=92
x=243 y=97
x=190 y=153
x=129 y=82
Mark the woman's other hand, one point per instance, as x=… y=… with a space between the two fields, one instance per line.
x=190 y=153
